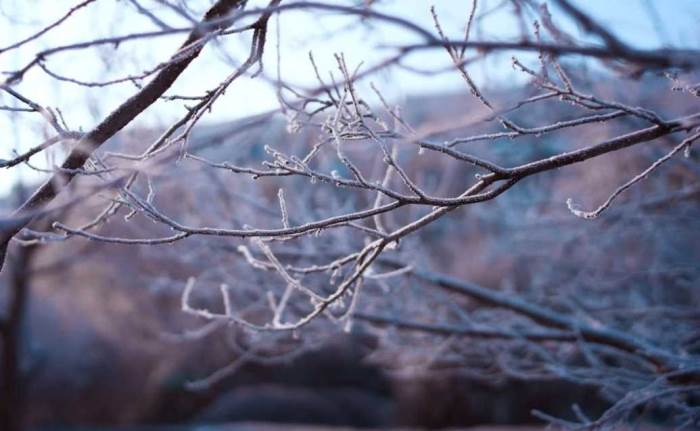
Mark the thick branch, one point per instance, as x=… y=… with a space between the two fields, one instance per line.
x=119 y=118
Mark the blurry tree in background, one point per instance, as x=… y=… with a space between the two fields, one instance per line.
x=437 y=226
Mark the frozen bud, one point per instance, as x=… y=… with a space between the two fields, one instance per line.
x=347 y=327
x=293 y=126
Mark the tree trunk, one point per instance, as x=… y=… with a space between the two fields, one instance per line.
x=12 y=379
